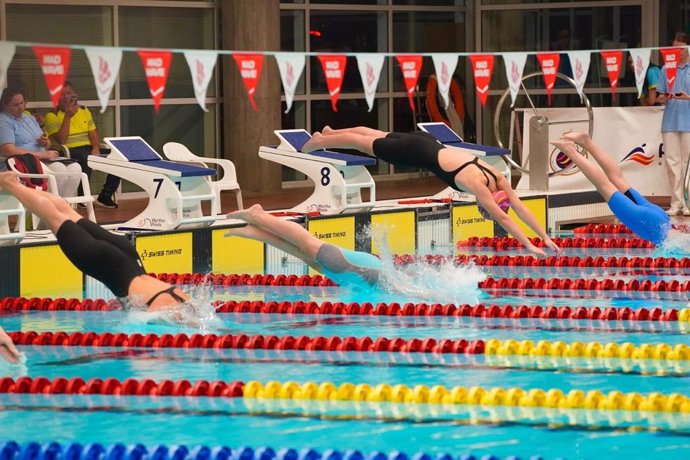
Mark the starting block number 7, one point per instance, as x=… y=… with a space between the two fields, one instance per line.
x=159 y=183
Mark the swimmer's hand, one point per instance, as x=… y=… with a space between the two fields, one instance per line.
x=7 y=348
x=548 y=242
x=535 y=250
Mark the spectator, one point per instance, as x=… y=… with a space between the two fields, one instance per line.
x=20 y=134
x=72 y=125
x=651 y=81
x=675 y=124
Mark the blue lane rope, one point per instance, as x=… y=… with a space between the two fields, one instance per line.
x=10 y=450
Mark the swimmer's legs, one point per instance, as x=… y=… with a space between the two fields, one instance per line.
x=347 y=140
x=50 y=208
x=591 y=171
x=362 y=130
x=290 y=232
x=607 y=163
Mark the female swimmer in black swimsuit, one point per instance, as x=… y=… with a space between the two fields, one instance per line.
x=462 y=171
x=109 y=258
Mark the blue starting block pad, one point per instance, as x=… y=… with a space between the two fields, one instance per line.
x=450 y=138
x=137 y=151
x=338 y=178
x=294 y=139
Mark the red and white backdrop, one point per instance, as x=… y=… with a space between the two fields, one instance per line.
x=631 y=135
x=105 y=65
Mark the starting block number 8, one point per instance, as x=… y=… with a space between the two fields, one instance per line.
x=326 y=175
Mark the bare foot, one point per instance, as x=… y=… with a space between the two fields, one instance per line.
x=577 y=136
x=564 y=145
x=327 y=130
x=314 y=143
x=246 y=215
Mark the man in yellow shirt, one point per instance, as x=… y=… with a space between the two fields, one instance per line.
x=72 y=125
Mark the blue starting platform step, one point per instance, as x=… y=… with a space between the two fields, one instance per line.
x=450 y=138
x=137 y=152
x=292 y=140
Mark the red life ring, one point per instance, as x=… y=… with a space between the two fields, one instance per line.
x=432 y=100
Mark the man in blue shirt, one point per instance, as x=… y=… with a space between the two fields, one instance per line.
x=675 y=124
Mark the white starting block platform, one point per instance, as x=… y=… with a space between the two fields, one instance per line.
x=450 y=139
x=338 y=177
x=175 y=190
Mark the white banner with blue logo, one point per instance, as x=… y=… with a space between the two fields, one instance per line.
x=632 y=135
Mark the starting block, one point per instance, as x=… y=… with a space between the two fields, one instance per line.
x=175 y=190
x=338 y=177
x=450 y=139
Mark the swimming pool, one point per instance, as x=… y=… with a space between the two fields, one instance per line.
x=572 y=370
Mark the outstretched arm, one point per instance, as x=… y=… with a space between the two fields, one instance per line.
x=7 y=348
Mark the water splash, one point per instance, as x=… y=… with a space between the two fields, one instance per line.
x=677 y=243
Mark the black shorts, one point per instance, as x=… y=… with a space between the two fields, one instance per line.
x=109 y=258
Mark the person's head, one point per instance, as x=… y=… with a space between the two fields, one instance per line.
x=501 y=199
x=68 y=96
x=13 y=101
x=563 y=41
x=682 y=40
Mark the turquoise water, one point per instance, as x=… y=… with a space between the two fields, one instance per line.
x=368 y=426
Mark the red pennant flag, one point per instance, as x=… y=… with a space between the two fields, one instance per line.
x=613 y=61
x=482 y=68
x=671 y=59
x=156 y=66
x=250 y=68
x=549 y=68
x=334 y=69
x=411 y=67
x=54 y=62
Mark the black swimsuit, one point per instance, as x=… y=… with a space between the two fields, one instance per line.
x=420 y=150
x=170 y=291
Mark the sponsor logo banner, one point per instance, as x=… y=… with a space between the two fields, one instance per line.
x=411 y=66
x=234 y=254
x=334 y=69
x=444 y=65
x=156 y=66
x=169 y=253
x=369 y=66
x=515 y=66
x=201 y=65
x=290 y=66
x=466 y=222
x=105 y=67
x=549 y=68
x=612 y=61
x=250 y=69
x=671 y=59
x=399 y=229
x=54 y=62
x=482 y=68
x=640 y=62
x=579 y=62
x=63 y=280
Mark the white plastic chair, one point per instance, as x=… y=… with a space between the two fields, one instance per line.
x=87 y=199
x=10 y=206
x=175 y=151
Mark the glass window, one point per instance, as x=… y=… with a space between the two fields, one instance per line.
x=82 y=25
x=292 y=30
x=430 y=2
x=674 y=17
x=346 y=31
x=350 y=2
x=160 y=28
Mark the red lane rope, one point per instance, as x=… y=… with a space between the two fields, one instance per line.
x=610 y=229
x=112 y=386
x=582 y=284
x=256 y=342
x=502 y=243
x=12 y=304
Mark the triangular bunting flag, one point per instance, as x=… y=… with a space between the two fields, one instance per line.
x=482 y=68
x=411 y=66
x=156 y=66
x=334 y=69
x=549 y=68
x=640 y=63
x=250 y=69
x=515 y=66
x=671 y=59
x=613 y=61
x=105 y=66
x=444 y=65
x=579 y=63
x=54 y=62
x=201 y=65
x=290 y=66
x=6 y=55
x=370 y=65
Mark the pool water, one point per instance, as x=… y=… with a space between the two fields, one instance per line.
x=369 y=426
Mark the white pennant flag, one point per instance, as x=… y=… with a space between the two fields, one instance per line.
x=640 y=61
x=201 y=65
x=6 y=55
x=290 y=66
x=370 y=65
x=515 y=66
x=444 y=64
x=579 y=63
x=105 y=66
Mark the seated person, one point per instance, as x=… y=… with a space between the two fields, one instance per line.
x=21 y=134
x=342 y=266
x=645 y=219
x=460 y=170
x=109 y=258
x=72 y=125
x=7 y=348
